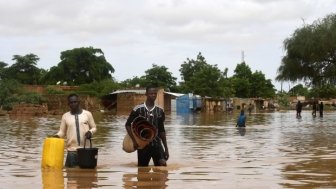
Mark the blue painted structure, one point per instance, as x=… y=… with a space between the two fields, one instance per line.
x=184 y=103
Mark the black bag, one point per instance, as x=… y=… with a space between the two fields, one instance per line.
x=87 y=157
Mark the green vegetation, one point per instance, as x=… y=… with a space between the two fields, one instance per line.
x=80 y=66
x=311 y=57
x=12 y=94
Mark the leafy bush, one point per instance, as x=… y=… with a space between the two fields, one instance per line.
x=53 y=90
x=283 y=100
x=98 y=88
x=31 y=98
x=9 y=102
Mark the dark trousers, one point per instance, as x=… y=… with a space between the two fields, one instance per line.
x=153 y=150
x=71 y=159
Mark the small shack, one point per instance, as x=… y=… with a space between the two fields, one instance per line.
x=125 y=100
x=184 y=103
x=170 y=101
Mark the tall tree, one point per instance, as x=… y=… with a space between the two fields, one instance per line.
x=298 y=89
x=248 y=84
x=2 y=69
x=161 y=77
x=190 y=67
x=207 y=82
x=311 y=54
x=203 y=79
x=260 y=86
x=241 y=78
x=134 y=82
x=80 y=66
x=24 y=69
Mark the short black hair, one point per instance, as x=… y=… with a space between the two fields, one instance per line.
x=72 y=94
x=150 y=87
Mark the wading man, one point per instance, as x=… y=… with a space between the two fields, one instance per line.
x=76 y=126
x=154 y=115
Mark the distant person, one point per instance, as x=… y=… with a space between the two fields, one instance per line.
x=314 y=109
x=156 y=116
x=229 y=108
x=241 y=119
x=298 y=109
x=250 y=108
x=321 y=109
x=76 y=126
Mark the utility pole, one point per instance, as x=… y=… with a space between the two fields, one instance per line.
x=242 y=57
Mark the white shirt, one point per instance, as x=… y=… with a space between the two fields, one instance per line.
x=68 y=129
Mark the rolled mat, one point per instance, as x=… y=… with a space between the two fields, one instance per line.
x=143 y=131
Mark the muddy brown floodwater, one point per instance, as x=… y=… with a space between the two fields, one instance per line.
x=275 y=150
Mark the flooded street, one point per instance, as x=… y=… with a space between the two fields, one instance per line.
x=276 y=150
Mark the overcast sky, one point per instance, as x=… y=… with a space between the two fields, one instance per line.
x=134 y=34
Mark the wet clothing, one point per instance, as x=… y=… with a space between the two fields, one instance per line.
x=314 y=109
x=241 y=120
x=71 y=159
x=321 y=109
x=68 y=128
x=298 y=109
x=154 y=149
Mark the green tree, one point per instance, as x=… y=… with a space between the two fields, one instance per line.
x=260 y=86
x=310 y=54
x=2 y=69
x=248 y=84
x=241 y=79
x=99 y=88
x=208 y=82
x=326 y=91
x=190 y=67
x=134 y=82
x=24 y=69
x=204 y=79
x=298 y=89
x=80 y=66
x=9 y=88
x=161 y=77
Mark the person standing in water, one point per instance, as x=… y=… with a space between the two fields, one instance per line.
x=76 y=126
x=156 y=116
x=314 y=109
x=298 y=109
x=241 y=119
x=321 y=109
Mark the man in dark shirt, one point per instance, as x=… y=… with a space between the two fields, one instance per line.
x=155 y=115
x=321 y=109
x=298 y=109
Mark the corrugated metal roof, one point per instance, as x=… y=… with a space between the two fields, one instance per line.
x=137 y=91
x=174 y=94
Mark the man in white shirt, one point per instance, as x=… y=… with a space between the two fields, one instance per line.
x=76 y=126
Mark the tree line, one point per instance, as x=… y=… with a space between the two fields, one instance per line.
x=88 y=68
x=310 y=57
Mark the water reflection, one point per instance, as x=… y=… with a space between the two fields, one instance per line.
x=81 y=178
x=242 y=131
x=52 y=178
x=146 y=177
x=275 y=150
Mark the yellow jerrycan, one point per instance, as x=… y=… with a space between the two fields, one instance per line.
x=53 y=153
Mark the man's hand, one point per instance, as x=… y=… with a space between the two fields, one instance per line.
x=88 y=135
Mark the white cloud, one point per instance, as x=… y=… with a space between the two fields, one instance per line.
x=137 y=34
